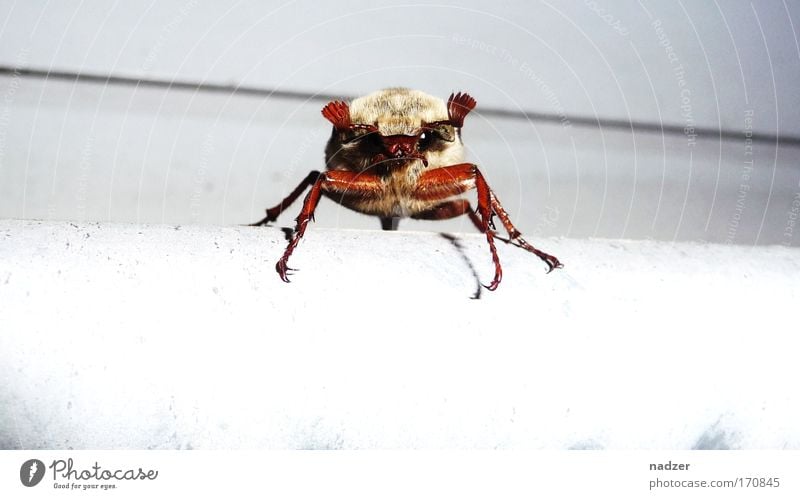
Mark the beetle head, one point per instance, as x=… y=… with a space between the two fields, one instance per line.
x=398 y=126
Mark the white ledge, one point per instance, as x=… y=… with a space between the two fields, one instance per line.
x=126 y=336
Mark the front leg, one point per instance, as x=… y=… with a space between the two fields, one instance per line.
x=342 y=183
x=275 y=211
x=449 y=181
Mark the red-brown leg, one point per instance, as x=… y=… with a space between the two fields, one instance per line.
x=306 y=214
x=453 y=180
x=331 y=182
x=456 y=179
x=456 y=208
x=451 y=209
x=516 y=237
x=485 y=212
x=447 y=210
x=275 y=211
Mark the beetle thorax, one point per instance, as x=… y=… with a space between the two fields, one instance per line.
x=398 y=111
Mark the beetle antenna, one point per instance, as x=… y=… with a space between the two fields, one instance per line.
x=338 y=113
x=458 y=107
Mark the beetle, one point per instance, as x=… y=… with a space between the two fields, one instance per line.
x=398 y=153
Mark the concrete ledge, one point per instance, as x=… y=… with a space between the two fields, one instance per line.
x=126 y=336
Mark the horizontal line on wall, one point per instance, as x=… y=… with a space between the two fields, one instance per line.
x=583 y=121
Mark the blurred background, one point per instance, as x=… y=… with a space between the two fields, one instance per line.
x=617 y=119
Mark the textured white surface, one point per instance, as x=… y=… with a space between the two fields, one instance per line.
x=126 y=336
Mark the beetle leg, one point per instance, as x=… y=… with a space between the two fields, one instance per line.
x=330 y=182
x=485 y=212
x=450 y=209
x=275 y=211
x=516 y=236
x=458 y=207
x=452 y=180
x=390 y=223
x=306 y=214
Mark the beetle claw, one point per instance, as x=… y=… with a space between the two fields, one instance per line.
x=284 y=271
x=552 y=263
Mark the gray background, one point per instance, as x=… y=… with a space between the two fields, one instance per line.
x=580 y=71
